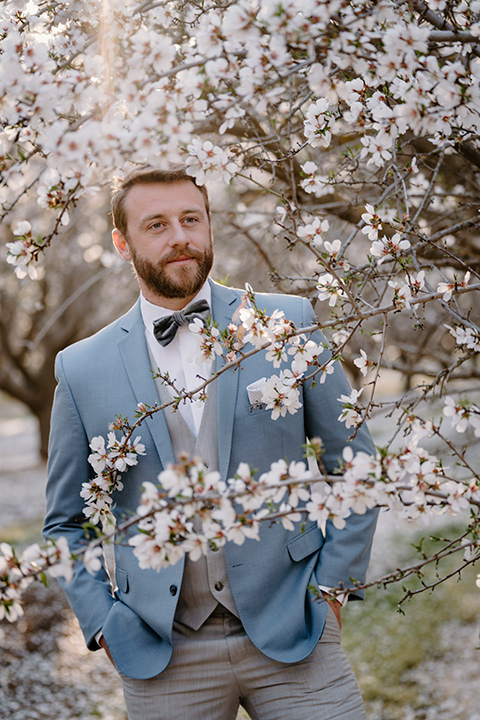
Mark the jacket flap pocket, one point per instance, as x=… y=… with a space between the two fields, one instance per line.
x=122 y=580
x=305 y=544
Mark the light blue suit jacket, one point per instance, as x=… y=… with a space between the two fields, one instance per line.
x=108 y=374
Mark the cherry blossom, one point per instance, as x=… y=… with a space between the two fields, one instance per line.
x=10 y=607
x=389 y=248
x=363 y=363
x=462 y=414
x=314 y=231
x=330 y=289
x=447 y=288
x=466 y=336
x=280 y=395
x=402 y=294
x=351 y=413
x=416 y=284
x=372 y=222
x=207 y=337
x=332 y=249
x=313 y=182
x=21 y=255
x=206 y=159
x=318 y=123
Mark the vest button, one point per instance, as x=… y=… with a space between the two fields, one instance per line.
x=173 y=589
x=219 y=586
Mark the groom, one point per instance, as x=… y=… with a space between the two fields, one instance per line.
x=242 y=625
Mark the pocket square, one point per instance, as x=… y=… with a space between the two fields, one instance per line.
x=255 y=392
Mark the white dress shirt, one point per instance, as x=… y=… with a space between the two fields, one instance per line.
x=176 y=358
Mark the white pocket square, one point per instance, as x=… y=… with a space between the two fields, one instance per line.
x=255 y=391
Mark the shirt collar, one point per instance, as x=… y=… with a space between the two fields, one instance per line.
x=151 y=312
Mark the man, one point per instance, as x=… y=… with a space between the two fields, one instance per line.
x=241 y=625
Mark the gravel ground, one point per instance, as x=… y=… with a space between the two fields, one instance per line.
x=46 y=673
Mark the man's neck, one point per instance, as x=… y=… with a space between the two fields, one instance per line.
x=168 y=303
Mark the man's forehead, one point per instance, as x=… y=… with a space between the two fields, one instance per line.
x=164 y=198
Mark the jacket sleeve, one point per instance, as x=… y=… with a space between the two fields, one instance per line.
x=346 y=552
x=90 y=596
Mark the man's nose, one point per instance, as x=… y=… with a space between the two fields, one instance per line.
x=178 y=234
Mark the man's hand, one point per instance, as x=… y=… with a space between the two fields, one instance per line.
x=105 y=647
x=336 y=607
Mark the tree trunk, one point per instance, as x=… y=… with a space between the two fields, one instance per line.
x=41 y=407
x=44 y=427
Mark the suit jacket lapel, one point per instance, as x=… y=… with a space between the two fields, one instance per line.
x=133 y=351
x=224 y=303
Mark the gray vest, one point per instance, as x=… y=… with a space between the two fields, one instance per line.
x=205 y=582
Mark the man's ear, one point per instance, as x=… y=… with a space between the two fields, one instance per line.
x=121 y=245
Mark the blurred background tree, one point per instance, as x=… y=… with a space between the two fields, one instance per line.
x=76 y=294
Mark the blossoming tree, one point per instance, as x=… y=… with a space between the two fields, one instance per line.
x=347 y=134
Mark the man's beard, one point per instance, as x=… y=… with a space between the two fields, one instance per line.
x=182 y=282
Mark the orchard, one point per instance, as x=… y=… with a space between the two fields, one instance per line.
x=343 y=137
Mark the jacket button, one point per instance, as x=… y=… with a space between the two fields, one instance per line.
x=173 y=589
x=219 y=586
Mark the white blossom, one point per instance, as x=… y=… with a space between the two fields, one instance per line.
x=333 y=248
x=318 y=123
x=462 y=414
x=363 y=363
x=21 y=254
x=280 y=395
x=330 y=289
x=449 y=288
x=351 y=413
x=208 y=344
x=465 y=336
x=313 y=183
x=402 y=294
x=388 y=248
x=92 y=559
x=313 y=232
x=372 y=222
x=206 y=159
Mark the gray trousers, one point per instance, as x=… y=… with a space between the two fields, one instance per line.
x=217 y=668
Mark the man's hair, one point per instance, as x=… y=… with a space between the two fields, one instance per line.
x=147 y=175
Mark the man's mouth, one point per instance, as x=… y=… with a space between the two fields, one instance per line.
x=181 y=260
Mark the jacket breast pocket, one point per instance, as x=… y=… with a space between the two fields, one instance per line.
x=259 y=409
x=305 y=544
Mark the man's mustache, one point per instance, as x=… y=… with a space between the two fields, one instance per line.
x=175 y=254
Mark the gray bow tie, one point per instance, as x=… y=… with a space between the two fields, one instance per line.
x=166 y=328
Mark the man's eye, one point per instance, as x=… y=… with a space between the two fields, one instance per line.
x=156 y=225
x=191 y=220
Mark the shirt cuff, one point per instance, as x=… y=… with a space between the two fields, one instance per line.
x=342 y=598
x=98 y=637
